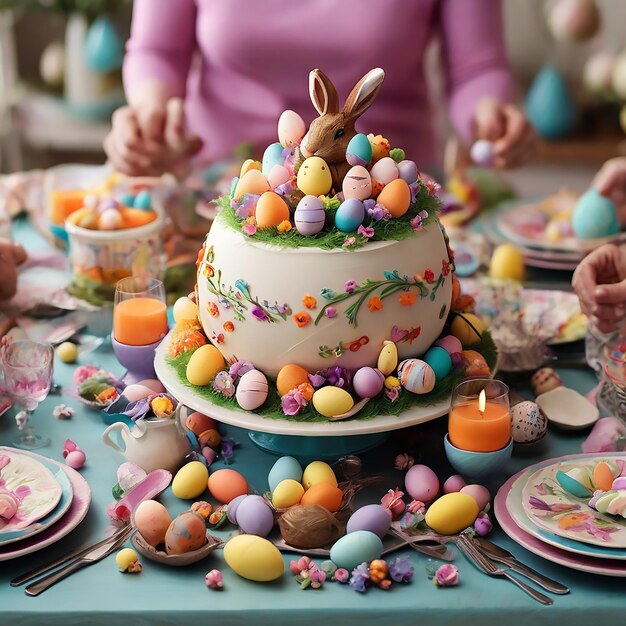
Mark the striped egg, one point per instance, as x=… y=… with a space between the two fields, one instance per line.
x=416 y=376
x=357 y=183
x=252 y=390
x=309 y=216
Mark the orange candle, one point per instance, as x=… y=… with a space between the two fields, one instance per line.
x=139 y=321
x=476 y=430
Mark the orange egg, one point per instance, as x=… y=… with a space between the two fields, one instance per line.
x=326 y=495
x=603 y=476
x=396 y=197
x=226 y=484
x=187 y=532
x=133 y=218
x=198 y=422
x=252 y=181
x=271 y=210
x=249 y=164
x=289 y=377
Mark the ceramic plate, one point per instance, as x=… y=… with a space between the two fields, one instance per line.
x=568 y=409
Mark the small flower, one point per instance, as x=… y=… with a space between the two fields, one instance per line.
x=341 y=575
x=293 y=402
x=337 y=376
x=284 y=226
x=330 y=312
x=306 y=390
x=202 y=508
x=445 y=267
x=211 y=307
x=63 y=412
x=301 y=565
x=260 y=314
x=215 y=338
x=429 y=276
x=249 y=229
x=317 y=577
x=229 y=327
x=408 y=298
x=401 y=570
x=375 y=304
x=214 y=580
x=376 y=212
x=316 y=380
x=433 y=187
x=162 y=406
x=350 y=286
x=403 y=462
x=483 y=525
x=309 y=301
x=239 y=368
x=224 y=384
x=302 y=319
x=416 y=506
x=446 y=576
x=350 y=241
x=360 y=578
x=365 y=231
x=327 y=294
x=393 y=393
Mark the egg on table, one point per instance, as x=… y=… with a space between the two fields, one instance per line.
x=388 y=358
x=254 y=558
x=232 y=507
x=152 y=521
x=314 y=177
x=285 y=468
x=528 y=422
x=325 y=494
x=291 y=129
x=226 y=484
x=318 y=472
x=421 y=483
x=252 y=182
x=349 y=215
x=544 y=380
x=136 y=392
x=204 y=365
x=198 y=422
x=452 y=513
x=368 y=382
x=190 y=480
x=357 y=183
x=271 y=210
x=416 y=376
x=396 y=197
x=359 y=150
x=455 y=483
x=372 y=517
x=273 y=155
x=332 y=401
x=254 y=516
x=187 y=532
x=385 y=170
x=355 y=548
x=252 y=390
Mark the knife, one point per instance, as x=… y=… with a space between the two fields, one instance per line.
x=497 y=553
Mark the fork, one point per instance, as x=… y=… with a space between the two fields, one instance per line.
x=490 y=568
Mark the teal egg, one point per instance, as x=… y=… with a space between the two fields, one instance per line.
x=359 y=150
x=142 y=201
x=273 y=155
x=571 y=485
x=350 y=215
x=360 y=546
x=233 y=186
x=439 y=360
x=286 y=468
x=127 y=199
x=594 y=216
x=104 y=50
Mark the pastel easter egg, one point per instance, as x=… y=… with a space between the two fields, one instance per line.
x=349 y=215
x=368 y=382
x=326 y=495
x=467 y=328
x=309 y=216
x=287 y=493
x=249 y=164
x=385 y=170
x=185 y=310
x=360 y=546
x=273 y=155
x=388 y=358
x=603 y=476
x=314 y=177
x=254 y=516
x=475 y=364
x=226 y=484
x=142 y=200
x=252 y=182
x=291 y=129
x=416 y=376
x=271 y=210
x=278 y=175
x=204 y=365
x=289 y=377
x=507 y=263
x=232 y=507
x=187 y=532
x=252 y=390
x=254 y=558
x=332 y=401
x=190 y=480
x=408 y=171
x=152 y=521
x=136 y=392
x=357 y=183
x=286 y=468
x=439 y=360
x=450 y=344
x=481 y=152
x=67 y=352
x=396 y=197
x=372 y=517
x=359 y=150
x=594 y=216
x=455 y=483
x=110 y=219
x=528 y=422
x=452 y=513
x=199 y=422
x=318 y=472
x=421 y=483
x=479 y=493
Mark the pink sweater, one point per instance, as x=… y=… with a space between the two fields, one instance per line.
x=240 y=63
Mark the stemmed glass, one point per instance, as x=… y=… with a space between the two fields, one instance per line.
x=28 y=376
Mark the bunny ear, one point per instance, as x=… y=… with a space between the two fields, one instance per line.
x=364 y=93
x=323 y=93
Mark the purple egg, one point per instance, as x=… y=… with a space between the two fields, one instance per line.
x=619 y=483
x=254 y=516
x=309 y=216
x=368 y=382
x=450 y=344
x=408 y=171
x=421 y=483
x=350 y=215
x=454 y=484
x=232 y=508
x=372 y=517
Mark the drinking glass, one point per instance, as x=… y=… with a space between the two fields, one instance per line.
x=28 y=376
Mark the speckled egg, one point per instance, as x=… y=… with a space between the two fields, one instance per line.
x=359 y=150
x=416 y=376
x=452 y=513
x=479 y=493
x=271 y=210
x=287 y=493
x=355 y=548
x=372 y=517
x=450 y=344
x=254 y=558
x=204 y=365
x=388 y=358
x=314 y=177
x=253 y=182
x=440 y=361
x=467 y=328
x=544 y=380
x=286 y=468
x=273 y=155
x=368 y=382
x=357 y=183
x=385 y=170
x=421 y=483
x=318 y=472
x=226 y=484
x=249 y=164
x=252 y=390
x=291 y=129
x=454 y=484
x=309 y=216
x=190 y=480
x=326 y=495
x=254 y=516
x=528 y=422
x=349 y=215
x=278 y=175
x=396 y=197
x=408 y=171
x=152 y=521
x=594 y=216
x=187 y=532
x=332 y=401
x=185 y=310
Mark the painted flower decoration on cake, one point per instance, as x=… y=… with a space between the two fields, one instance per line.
x=309 y=301
x=212 y=309
x=259 y=314
x=302 y=319
x=407 y=299
x=330 y=312
x=229 y=327
x=350 y=286
x=429 y=276
x=375 y=304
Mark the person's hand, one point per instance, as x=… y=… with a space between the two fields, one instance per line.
x=600 y=284
x=610 y=181
x=506 y=126
x=11 y=255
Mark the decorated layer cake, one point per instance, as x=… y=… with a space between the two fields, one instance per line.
x=326 y=278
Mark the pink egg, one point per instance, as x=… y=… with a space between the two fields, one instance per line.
x=291 y=129
x=368 y=382
x=153 y=384
x=454 y=484
x=450 y=344
x=385 y=170
x=110 y=219
x=278 y=175
x=252 y=390
x=357 y=183
x=421 y=483
x=136 y=392
x=75 y=459
x=479 y=493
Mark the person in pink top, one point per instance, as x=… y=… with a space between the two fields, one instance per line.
x=203 y=76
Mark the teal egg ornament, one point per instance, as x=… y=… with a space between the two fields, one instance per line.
x=439 y=360
x=359 y=150
x=104 y=50
x=142 y=201
x=309 y=216
x=127 y=199
x=355 y=548
x=594 y=216
x=273 y=155
x=350 y=215
x=286 y=468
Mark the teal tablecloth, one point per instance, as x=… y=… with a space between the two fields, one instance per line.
x=160 y=595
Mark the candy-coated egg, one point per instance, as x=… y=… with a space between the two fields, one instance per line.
x=372 y=517
x=388 y=358
x=603 y=476
x=278 y=175
x=152 y=521
x=421 y=483
x=318 y=472
x=391 y=382
x=271 y=210
x=396 y=197
x=576 y=481
x=349 y=215
x=452 y=513
x=67 y=352
x=252 y=182
x=368 y=382
x=185 y=310
x=594 y=216
x=439 y=359
x=110 y=219
x=273 y=155
x=314 y=177
x=136 y=392
x=190 y=480
x=226 y=484
x=289 y=377
x=286 y=468
x=416 y=376
x=357 y=183
x=507 y=262
x=455 y=483
x=385 y=170
x=326 y=495
x=254 y=516
x=359 y=150
x=310 y=215
x=187 y=532
x=450 y=344
x=481 y=152
x=287 y=493
x=249 y=164
x=332 y=401
x=75 y=459
x=360 y=546
x=232 y=507
x=528 y=422
x=204 y=365
x=254 y=558
x=291 y=129
x=198 y=422
x=479 y=493
x=467 y=328
x=252 y=390
x=408 y=171
x=142 y=200
x=544 y=380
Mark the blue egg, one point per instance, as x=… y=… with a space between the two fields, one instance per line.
x=408 y=171
x=359 y=150
x=286 y=468
x=273 y=155
x=439 y=360
x=355 y=548
x=127 y=199
x=104 y=50
x=594 y=216
x=142 y=201
x=350 y=215
x=571 y=485
x=309 y=216
x=233 y=186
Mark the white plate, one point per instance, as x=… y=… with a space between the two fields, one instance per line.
x=568 y=409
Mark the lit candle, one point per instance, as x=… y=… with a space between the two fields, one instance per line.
x=139 y=321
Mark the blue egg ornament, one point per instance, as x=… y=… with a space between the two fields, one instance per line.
x=286 y=468
x=594 y=216
x=142 y=201
x=572 y=484
x=359 y=150
x=309 y=216
x=104 y=50
x=440 y=361
x=350 y=215
x=127 y=199
x=273 y=155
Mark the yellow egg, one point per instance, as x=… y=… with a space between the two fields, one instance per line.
x=289 y=377
x=185 y=310
x=461 y=328
x=125 y=558
x=396 y=197
x=252 y=181
x=67 y=352
x=332 y=401
x=507 y=262
x=190 y=480
x=314 y=177
x=326 y=495
x=388 y=358
x=452 y=513
x=254 y=558
x=271 y=210
x=204 y=365
x=318 y=472
x=287 y=493
x=391 y=382
x=249 y=164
